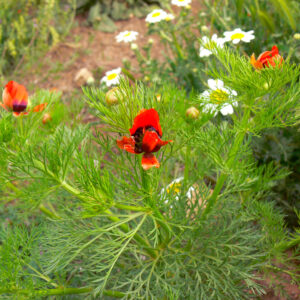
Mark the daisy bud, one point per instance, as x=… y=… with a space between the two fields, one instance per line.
x=192 y=112
x=46 y=118
x=111 y=96
x=146 y=78
x=134 y=46
x=204 y=28
x=150 y=41
x=297 y=36
x=90 y=80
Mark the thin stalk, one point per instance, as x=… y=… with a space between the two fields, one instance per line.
x=48 y=213
x=75 y=192
x=177 y=46
x=61 y=291
x=230 y=161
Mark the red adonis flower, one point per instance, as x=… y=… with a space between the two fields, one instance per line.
x=145 y=138
x=15 y=99
x=266 y=59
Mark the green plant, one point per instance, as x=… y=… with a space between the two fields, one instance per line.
x=30 y=27
x=101 y=225
x=102 y=14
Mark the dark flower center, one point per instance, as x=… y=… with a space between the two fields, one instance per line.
x=19 y=106
x=139 y=135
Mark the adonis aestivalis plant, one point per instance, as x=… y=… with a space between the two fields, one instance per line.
x=145 y=137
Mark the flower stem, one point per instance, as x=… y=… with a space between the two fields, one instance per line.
x=60 y=291
x=230 y=161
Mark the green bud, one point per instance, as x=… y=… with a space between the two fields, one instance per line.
x=297 y=36
x=192 y=112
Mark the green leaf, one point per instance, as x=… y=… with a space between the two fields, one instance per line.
x=266 y=19
x=286 y=8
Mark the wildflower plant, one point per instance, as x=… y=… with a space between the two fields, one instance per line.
x=100 y=222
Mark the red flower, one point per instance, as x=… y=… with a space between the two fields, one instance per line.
x=145 y=138
x=15 y=99
x=266 y=59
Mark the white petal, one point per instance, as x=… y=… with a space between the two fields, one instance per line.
x=227 y=110
x=236 y=41
x=204 y=52
x=212 y=84
x=219 y=84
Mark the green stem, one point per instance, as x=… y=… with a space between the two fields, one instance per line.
x=179 y=50
x=48 y=213
x=230 y=161
x=75 y=192
x=187 y=163
x=60 y=291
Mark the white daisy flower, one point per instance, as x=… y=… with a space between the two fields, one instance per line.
x=209 y=44
x=127 y=36
x=218 y=98
x=112 y=77
x=174 y=188
x=238 y=35
x=181 y=2
x=156 y=15
x=169 y=17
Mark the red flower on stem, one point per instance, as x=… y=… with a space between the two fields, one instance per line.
x=15 y=99
x=145 y=138
x=266 y=59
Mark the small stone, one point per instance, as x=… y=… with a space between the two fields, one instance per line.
x=192 y=112
x=83 y=76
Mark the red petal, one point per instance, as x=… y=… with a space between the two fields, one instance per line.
x=14 y=92
x=275 y=50
x=152 y=142
x=146 y=117
x=40 y=107
x=149 y=161
x=126 y=144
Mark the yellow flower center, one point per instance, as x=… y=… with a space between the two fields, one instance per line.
x=157 y=14
x=237 y=36
x=218 y=96
x=174 y=187
x=127 y=34
x=112 y=76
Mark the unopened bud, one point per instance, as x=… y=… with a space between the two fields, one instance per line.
x=134 y=46
x=90 y=80
x=111 y=97
x=204 y=28
x=158 y=97
x=150 y=41
x=146 y=78
x=46 y=118
x=192 y=112
x=297 y=36
x=266 y=86
x=188 y=7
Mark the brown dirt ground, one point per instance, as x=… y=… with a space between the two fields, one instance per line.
x=92 y=49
